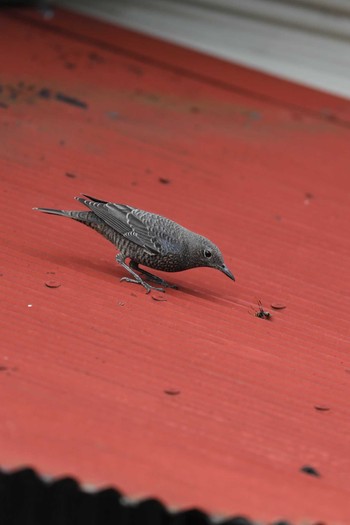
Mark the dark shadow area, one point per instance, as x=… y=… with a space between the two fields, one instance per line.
x=25 y=498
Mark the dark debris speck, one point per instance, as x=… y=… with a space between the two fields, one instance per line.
x=308 y=197
x=70 y=175
x=94 y=57
x=45 y=93
x=311 y=471
x=113 y=115
x=61 y=97
x=328 y=114
x=163 y=180
x=254 y=115
x=172 y=392
x=136 y=70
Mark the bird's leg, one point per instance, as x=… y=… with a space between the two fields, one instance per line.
x=137 y=279
x=151 y=277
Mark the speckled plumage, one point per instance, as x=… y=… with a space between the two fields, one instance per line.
x=146 y=238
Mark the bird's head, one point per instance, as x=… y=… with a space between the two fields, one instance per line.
x=208 y=254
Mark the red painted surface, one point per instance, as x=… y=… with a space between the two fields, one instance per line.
x=255 y=164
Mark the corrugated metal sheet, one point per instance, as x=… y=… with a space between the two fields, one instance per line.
x=88 y=367
x=306 y=41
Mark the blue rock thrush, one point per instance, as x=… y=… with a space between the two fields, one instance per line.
x=148 y=239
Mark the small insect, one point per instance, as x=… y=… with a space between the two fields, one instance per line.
x=261 y=313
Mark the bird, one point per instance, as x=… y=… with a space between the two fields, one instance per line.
x=148 y=239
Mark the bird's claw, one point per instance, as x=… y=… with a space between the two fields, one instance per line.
x=155 y=279
x=148 y=287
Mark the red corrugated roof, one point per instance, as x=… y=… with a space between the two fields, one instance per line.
x=258 y=165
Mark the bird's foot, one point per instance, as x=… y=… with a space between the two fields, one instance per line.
x=148 y=276
x=148 y=287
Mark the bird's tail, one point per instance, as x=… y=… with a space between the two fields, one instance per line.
x=87 y=217
x=54 y=212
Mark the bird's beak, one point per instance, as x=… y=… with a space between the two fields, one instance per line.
x=227 y=272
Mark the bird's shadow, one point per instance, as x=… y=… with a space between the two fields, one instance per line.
x=85 y=265
x=108 y=267
x=206 y=294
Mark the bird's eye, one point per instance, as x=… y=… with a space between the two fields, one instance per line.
x=207 y=254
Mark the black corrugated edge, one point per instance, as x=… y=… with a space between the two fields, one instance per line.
x=32 y=499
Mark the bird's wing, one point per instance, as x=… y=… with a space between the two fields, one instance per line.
x=125 y=220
